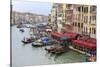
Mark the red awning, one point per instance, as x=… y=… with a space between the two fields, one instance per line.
x=84 y=44
x=70 y=35
x=91 y=40
x=56 y=34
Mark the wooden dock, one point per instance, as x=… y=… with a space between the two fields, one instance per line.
x=82 y=52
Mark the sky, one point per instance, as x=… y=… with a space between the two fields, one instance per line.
x=43 y=8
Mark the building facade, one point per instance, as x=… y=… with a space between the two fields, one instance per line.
x=78 y=18
x=75 y=18
x=89 y=26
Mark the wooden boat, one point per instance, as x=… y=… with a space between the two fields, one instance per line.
x=56 y=50
x=59 y=50
x=51 y=49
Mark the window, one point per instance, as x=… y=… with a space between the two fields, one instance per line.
x=79 y=25
x=90 y=30
x=86 y=30
x=82 y=8
x=75 y=23
x=94 y=31
x=79 y=16
x=69 y=6
x=82 y=25
x=92 y=8
x=85 y=19
x=90 y=18
x=79 y=9
x=93 y=18
x=85 y=9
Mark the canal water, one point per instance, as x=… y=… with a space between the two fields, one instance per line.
x=26 y=55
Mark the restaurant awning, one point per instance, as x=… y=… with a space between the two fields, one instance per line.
x=84 y=44
x=56 y=34
x=70 y=35
x=91 y=40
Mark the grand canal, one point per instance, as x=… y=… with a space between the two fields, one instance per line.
x=26 y=55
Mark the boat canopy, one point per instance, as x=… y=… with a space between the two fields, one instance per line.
x=85 y=44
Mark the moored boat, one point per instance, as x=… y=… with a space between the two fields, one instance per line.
x=37 y=44
x=27 y=41
x=56 y=49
